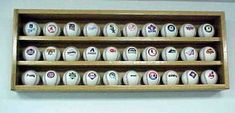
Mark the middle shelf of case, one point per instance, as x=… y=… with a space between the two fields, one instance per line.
x=119 y=63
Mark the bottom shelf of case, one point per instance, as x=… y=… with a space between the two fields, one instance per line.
x=121 y=88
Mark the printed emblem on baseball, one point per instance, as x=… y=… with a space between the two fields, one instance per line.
x=111 y=77
x=151 y=77
x=91 y=29
x=31 y=53
x=30 y=77
x=131 y=77
x=190 y=77
x=170 y=77
x=32 y=29
x=169 y=30
x=71 y=29
x=150 y=54
x=91 y=54
x=111 y=54
x=51 y=29
x=51 y=77
x=131 y=54
x=130 y=30
x=170 y=54
x=71 y=77
x=150 y=30
x=207 y=54
x=51 y=53
x=71 y=54
x=189 y=54
x=91 y=78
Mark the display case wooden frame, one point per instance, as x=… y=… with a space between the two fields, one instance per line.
x=21 y=16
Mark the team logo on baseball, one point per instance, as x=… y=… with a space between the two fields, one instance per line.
x=111 y=28
x=172 y=51
x=50 y=74
x=152 y=52
x=72 y=75
x=92 y=75
x=153 y=75
x=208 y=28
x=189 y=27
x=31 y=75
x=210 y=51
x=192 y=74
x=92 y=51
x=172 y=75
x=112 y=75
x=151 y=28
x=132 y=27
x=30 y=51
x=31 y=28
x=72 y=27
x=190 y=52
x=92 y=27
x=71 y=52
x=211 y=75
x=51 y=51
x=51 y=28
x=131 y=51
x=133 y=75
x=112 y=50
x=171 y=28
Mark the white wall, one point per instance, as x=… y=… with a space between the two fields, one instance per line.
x=146 y=102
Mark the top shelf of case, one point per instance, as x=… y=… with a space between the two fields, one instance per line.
x=119 y=39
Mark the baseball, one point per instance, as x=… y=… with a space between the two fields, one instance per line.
x=111 y=30
x=91 y=29
x=51 y=78
x=111 y=54
x=131 y=54
x=32 y=29
x=190 y=77
x=209 y=77
x=71 y=77
x=150 y=54
x=207 y=54
x=170 y=77
x=111 y=78
x=71 y=29
x=151 y=77
x=91 y=78
x=206 y=30
x=91 y=54
x=187 y=30
x=169 y=30
x=131 y=78
x=150 y=30
x=130 y=30
x=170 y=54
x=51 y=29
x=30 y=77
x=31 y=53
x=71 y=54
x=51 y=53
x=189 y=54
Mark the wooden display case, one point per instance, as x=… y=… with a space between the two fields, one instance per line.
x=120 y=17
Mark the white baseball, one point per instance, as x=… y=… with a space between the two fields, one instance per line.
x=111 y=30
x=51 y=53
x=187 y=30
x=207 y=54
x=51 y=29
x=30 y=77
x=170 y=77
x=206 y=30
x=91 y=29
x=169 y=30
x=71 y=29
x=71 y=54
x=111 y=78
x=111 y=54
x=32 y=29
x=131 y=77
x=31 y=53
x=151 y=77
x=131 y=54
x=91 y=78
x=150 y=30
x=209 y=77
x=71 y=77
x=91 y=54
x=150 y=54
x=189 y=54
x=51 y=78
x=130 y=30
x=190 y=77
x=170 y=54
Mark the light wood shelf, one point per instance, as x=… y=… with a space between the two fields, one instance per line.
x=121 y=88
x=120 y=39
x=119 y=63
